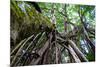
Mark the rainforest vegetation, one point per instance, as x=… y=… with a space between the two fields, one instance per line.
x=51 y=33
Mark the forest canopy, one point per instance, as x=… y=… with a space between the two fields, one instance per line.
x=51 y=33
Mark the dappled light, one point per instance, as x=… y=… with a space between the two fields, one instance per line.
x=51 y=33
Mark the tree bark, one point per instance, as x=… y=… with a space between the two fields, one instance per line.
x=78 y=52
x=41 y=52
x=73 y=54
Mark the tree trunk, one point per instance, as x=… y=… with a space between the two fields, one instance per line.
x=41 y=51
x=78 y=52
x=86 y=35
x=73 y=54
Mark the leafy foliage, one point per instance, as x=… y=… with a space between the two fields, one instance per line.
x=36 y=40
